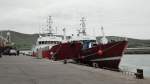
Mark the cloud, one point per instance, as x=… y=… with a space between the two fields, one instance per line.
x=117 y=16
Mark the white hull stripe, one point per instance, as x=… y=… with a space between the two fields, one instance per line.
x=109 y=58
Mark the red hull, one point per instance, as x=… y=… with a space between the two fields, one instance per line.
x=66 y=51
x=106 y=56
x=60 y=52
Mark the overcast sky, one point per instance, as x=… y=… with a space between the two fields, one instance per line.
x=130 y=18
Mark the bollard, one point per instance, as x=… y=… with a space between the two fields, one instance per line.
x=0 y=55
x=95 y=65
x=139 y=74
x=65 y=61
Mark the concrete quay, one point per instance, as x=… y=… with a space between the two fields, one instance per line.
x=28 y=70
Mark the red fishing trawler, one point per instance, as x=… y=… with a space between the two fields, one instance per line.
x=46 y=41
x=86 y=49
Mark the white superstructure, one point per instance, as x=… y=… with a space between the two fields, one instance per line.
x=47 y=40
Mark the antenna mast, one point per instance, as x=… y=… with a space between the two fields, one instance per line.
x=102 y=29
x=104 y=40
x=64 y=32
x=50 y=22
x=1 y=39
x=8 y=37
x=83 y=26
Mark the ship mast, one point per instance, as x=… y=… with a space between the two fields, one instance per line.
x=64 y=34
x=49 y=25
x=1 y=39
x=8 y=37
x=83 y=27
x=104 y=40
x=102 y=30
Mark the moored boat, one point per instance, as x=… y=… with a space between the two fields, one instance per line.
x=45 y=42
x=2 y=44
x=85 y=49
x=5 y=44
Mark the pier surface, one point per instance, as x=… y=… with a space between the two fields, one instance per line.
x=28 y=70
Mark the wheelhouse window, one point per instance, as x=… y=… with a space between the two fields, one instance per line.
x=40 y=42
x=48 y=42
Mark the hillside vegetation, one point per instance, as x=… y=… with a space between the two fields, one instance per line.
x=26 y=41
x=22 y=41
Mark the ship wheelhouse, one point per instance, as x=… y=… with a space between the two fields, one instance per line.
x=47 y=42
x=86 y=41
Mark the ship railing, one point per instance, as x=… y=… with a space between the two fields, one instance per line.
x=128 y=73
x=137 y=75
x=125 y=71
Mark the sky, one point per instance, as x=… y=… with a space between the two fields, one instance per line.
x=127 y=18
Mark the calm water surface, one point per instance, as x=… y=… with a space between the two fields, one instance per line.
x=132 y=62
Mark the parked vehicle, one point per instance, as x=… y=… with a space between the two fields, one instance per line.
x=13 y=52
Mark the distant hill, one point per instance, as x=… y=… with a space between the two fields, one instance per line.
x=26 y=41
x=22 y=41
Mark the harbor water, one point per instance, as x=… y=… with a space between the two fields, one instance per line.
x=136 y=61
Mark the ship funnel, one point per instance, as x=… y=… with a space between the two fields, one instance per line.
x=104 y=40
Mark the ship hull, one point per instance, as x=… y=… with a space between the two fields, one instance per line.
x=104 y=56
x=42 y=53
x=5 y=46
x=65 y=51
